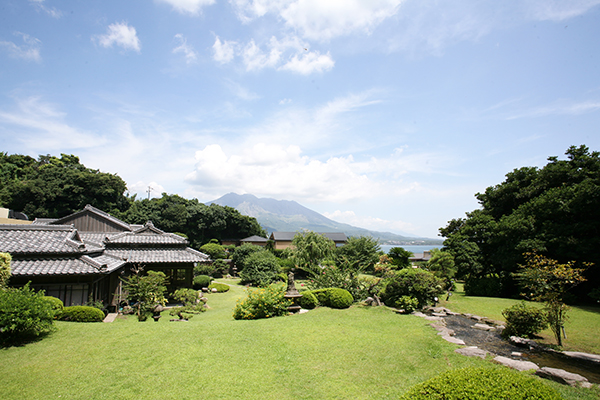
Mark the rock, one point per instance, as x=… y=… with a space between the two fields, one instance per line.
x=516 y=364
x=476 y=317
x=205 y=289
x=439 y=314
x=430 y=318
x=214 y=290
x=483 y=327
x=472 y=351
x=454 y=340
x=419 y=314
x=369 y=301
x=564 y=377
x=516 y=354
x=442 y=330
x=594 y=358
x=522 y=342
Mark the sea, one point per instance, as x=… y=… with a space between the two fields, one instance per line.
x=415 y=249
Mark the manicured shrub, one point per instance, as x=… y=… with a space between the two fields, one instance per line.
x=487 y=286
x=203 y=269
x=241 y=253
x=338 y=298
x=56 y=304
x=407 y=303
x=82 y=314
x=483 y=383
x=214 y=250
x=5 y=260
x=262 y=303
x=202 y=281
x=413 y=282
x=308 y=300
x=186 y=296
x=24 y=315
x=221 y=287
x=261 y=269
x=523 y=320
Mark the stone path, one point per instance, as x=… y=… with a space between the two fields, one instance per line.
x=110 y=317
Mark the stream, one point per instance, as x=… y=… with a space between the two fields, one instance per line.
x=493 y=342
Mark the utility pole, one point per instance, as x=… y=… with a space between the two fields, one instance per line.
x=149 y=191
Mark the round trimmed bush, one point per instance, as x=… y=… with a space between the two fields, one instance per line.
x=523 y=320
x=56 y=304
x=339 y=298
x=308 y=300
x=485 y=383
x=82 y=314
x=221 y=287
x=201 y=281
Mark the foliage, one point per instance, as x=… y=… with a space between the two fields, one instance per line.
x=5 y=260
x=342 y=276
x=338 y=298
x=308 y=300
x=441 y=264
x=384 y=266
x=221 y=287
x=417 y=283
x=309 y=249
x=24 y=315
x=56 y=304
x=362 y=253
x=203 y=269
x=82 y=314
x=241 y=253
x=146 y=291
x=214 y=250
x=488 y=285
x=484 y=383
x=186 y=296
x=523 y=320
x=407 y=303
x=199 y=222
x=220 y=268
x=261 y=269
x=547 y=280
x=52 y=187
x=553 y=209
x=263 y=303
x=202 y=281
x=400 y=257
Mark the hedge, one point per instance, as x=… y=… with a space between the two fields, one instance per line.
x=82 y=314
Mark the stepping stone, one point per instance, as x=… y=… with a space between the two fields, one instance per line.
x=472 y=351
x=483 y=327
x=595 y=358
x=516 y=364
x=454 y=340
x=564 y=377
x=110 y=317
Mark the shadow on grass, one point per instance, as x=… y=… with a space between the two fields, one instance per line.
x=8 y=341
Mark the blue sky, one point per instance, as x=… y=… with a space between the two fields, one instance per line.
x=385 y=114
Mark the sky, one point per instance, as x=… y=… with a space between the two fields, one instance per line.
x=388 y=115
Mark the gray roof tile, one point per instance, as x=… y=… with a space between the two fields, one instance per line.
x=183 y=255
x=46 y=239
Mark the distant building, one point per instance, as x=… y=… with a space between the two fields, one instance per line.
x=12 y=217
x=425 y=256
x=283 y=240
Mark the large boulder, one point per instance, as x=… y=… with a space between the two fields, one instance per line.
x=564 y=377
x=516 y=364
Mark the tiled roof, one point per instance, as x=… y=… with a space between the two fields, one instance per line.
x=289 y=236
x=94 y=210
x=54 y=266
x=34 y=239
x=182 y=255
x=254 y=239
x=43 y=221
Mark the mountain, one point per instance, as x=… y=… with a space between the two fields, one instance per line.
x=289 y=216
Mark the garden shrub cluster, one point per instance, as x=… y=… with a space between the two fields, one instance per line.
x=221 y=287
x=419 y=284
x=82 y=314
x=192 y=303
x=261 y=268
x=202 y=281
x=523 y=320
x=486 y=286
x=482 y=383
x=263 y=303
x=24 y=315
x=56 y=304
x=328 y=297
x=407 y=303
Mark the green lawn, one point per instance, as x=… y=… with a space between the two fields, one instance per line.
x=582 y=327
x=358 y=353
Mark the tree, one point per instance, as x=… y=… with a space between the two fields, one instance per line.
x=545 y=279
x=441 y=264
x=362 y=253
x=214 y=250
x=261 y=269
x=310 y=249
x=146 y=291
x=5 y=260
x=400 y=257
x=241 y=253
x=553 y=209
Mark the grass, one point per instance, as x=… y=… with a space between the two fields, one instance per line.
x=361 y=352
x=582 y=326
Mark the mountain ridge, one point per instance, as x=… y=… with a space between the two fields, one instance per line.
x=290 y=216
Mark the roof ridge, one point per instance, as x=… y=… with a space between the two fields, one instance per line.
x=31 y=227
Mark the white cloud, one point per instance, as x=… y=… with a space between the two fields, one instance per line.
x=188 y=51
x=53 y=12
x=256 y=59
x=120 y=34
x=223 y=52
x=29 y=50
x=321 y=20
x=559 y=107
x=192 y=7
x=558 y=10
x=309 y=63
x=240 y=91
x=41 y=127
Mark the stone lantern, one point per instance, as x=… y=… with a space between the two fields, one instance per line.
x=292 y=294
